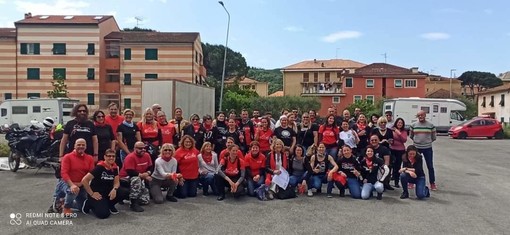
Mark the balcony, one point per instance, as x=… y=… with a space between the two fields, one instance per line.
x=313 y=91
x=334 y=81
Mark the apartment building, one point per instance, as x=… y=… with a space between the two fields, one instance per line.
x=245 y=83
x=495 y=103
x=441 y=87
x=92 y=54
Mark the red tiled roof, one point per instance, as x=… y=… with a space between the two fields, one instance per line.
x=62 y=19
x=325 y=64
x=154 y=37
x=441 y=94
x=277 y=94
x=504 y=87
x=384 y=69
x=7 y=33
x=243 y=80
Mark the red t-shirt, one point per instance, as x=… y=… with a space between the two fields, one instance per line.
x=255 y=164
x=265 y=139
x=168 y=132
x=187 y=162
x=114 y=122
x=329 y=134
x=233 y=169
x=75 y=167
x=224 y=154
x=148 y=131
x=134 y=162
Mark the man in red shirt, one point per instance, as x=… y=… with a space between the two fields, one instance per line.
x=75 y=165
x=167 y=128
x=114 y=119
x=136 y=175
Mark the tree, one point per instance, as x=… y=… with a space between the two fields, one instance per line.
x=479 y=80
x=213 y=61
x=136 y=28
x=59 y=88
x=367 y=107
x=273 y=77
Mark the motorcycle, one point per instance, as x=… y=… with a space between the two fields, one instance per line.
x=33 y=147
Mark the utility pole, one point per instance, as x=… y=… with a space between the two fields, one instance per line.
x=385 y=57
x=451 y=77
x=138 y=20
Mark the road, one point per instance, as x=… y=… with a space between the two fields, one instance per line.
x=473 y=198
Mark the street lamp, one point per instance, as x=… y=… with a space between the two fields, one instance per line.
x=224 y=56
x=451 y=77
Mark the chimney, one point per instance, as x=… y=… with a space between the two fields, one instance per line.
x=28 y=15
x=322 y=64
x=315 y=60
x=414 y=70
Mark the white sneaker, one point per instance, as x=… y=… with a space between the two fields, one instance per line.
x=310 y=193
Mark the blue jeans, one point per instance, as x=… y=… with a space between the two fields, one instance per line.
x=352 y=185
x=421 y=190
x=294 y=180
x=428 y=154
x=60 y=189
x=71 y=200
x=206 y=181
x=332 y=152
x=188 y=189
x=367 y=189
x=316 y=181
x=252 y=185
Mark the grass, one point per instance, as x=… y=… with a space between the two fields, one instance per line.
x=507 y=132
x=4 y=150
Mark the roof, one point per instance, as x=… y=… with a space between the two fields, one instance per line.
x=63 y=19
x=385 y=69
x=243 y=80
x=154 y=37
x=277 y=94
x=7 y=33
x=502 y=88
x=325 y=64
x=505 y=76
x=441 y=94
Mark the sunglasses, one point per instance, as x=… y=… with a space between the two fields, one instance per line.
x=140 y=148
x=82 y=111
x=99 y=116
x=194 y=119
x=109 y=155
x=167 y=150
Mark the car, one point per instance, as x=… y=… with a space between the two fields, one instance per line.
x=477 y=127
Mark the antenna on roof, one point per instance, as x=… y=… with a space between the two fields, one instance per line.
x=385 y=57
x=138 y=20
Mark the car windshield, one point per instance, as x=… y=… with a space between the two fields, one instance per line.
x=463 y=122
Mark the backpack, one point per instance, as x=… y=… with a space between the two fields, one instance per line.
x=289 y=192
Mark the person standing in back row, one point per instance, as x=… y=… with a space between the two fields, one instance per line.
x=423 y=133
x=79 y=128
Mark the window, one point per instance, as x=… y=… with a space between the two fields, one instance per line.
x=33 y=95
x=398 y=83
x=502 y=119
x=33 y=73
x=483 y=102
x=426 y=109
x=435 y=108
x=370 y=83
x=306 y=77
x=370 y=99
x=151 y=54
x=112 y=75
x=326 y=77
x=30 y=48
x=338 y=75
x=127 y=53
x=7 y=96
x=91 y=49
x=127 y=103
x=4 y=112
x=90 y=99
x=492 y=101
x=36 y=109
x=444 y=109
x=19 y=109
x=410 y=83
x=502 y=101
x=112 y=49
x=348 y=82
x=336 y=99
x=357 y=98
x=127 y=79
x=59 y=49
x=59 y=73
x=91 y=72
x=151 y=76
x=315 y=77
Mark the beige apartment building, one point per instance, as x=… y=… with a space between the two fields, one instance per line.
x=261 y=88
x=99 y=62
x=439 y=87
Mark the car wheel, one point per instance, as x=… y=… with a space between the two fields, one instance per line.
x=499 y=135
x=462 y=135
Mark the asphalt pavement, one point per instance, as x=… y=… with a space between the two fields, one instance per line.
x=473 y=198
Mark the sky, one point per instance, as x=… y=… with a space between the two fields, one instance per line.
x=435 y=35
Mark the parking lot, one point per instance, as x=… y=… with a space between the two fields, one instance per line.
x=473 y=198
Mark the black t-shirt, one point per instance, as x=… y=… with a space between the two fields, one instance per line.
x=285 y=134
x=104 y=137
x=381 y=151
x=103 y=179
x=418 y=166
x=346 y=165
x=235 y=135
x=370 y=173
x=128 y=135
x=387 y=136
x=77 y=130
x=305 y=134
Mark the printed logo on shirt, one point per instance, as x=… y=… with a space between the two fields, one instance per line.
x=78 y=128
x=190 y=156
x=347 y=166
x=285 y=134
x=106 y=176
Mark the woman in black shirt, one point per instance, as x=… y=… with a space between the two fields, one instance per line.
x=307 y=132
x=412 y=172
x=349 y=169
x=373 y=172
x=105 y=136
x=127 y=134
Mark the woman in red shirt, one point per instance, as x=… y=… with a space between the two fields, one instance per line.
x=187 y=164
x=328 y=135
x=231 y=174
x=255 y=168
x=264 y=135
x=150 y=133
x=167 y=128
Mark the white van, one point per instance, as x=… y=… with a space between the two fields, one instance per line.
x=22 y=111
x=443 y=113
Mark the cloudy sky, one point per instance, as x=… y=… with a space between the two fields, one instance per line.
x=434 y=35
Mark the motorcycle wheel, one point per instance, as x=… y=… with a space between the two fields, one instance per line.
x=13 y=162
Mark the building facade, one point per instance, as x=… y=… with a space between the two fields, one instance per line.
x=99 y=62
x=495 y=103
x=244 y=83
x=438 y=84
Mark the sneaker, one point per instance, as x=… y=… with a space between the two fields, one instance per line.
x=433 y=187
x=113 y=210
x=396 y=185
x=329 y=195
x=221 y=198
x=427 y=191
x=410 y=186
x=342 y=192
x=404 y=195
x=379 y=196
x=135 y=206
x=68 y=212
x=171 y=199
x=388 y=187
x=50 y=210
x=85 y=208
x=310 y=193
x=270 y=195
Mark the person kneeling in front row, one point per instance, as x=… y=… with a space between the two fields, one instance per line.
x=231 y=173
x=102 y=186
x=412 y=172
x=374 y=172
x=165 y=175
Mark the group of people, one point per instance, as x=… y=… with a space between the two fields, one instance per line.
x=112 y=159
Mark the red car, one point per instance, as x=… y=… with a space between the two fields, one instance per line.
x=477 y=127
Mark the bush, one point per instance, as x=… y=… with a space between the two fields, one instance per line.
x=275 y=105
x=507 y=132
x=4 y=150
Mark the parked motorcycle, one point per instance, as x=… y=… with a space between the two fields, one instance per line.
x=33 y=146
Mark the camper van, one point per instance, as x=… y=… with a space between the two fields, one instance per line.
x=443 y=113
x=22 y=111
